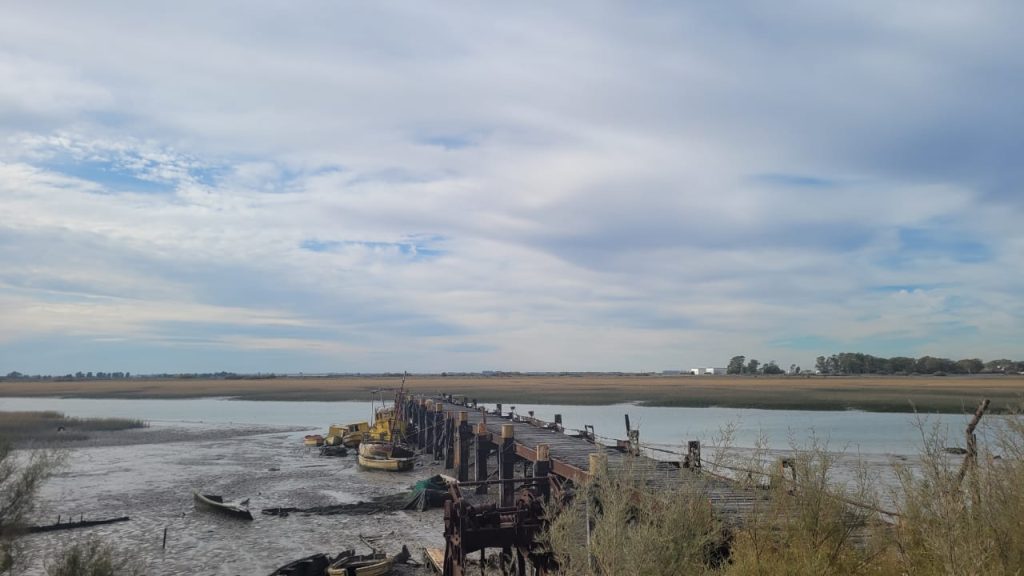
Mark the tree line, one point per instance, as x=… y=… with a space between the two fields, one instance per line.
x=859 y=363
x=740 y=365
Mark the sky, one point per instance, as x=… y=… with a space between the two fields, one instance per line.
x=336 y=186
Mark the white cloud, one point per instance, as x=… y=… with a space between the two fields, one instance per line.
x=601 y=187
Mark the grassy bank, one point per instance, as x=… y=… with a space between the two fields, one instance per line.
x=877 y=394
x=52 y=426
x=940 y=518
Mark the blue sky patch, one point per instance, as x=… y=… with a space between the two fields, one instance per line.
x=783 y=180
x=946 y=242
x=449 y=141
x=415 y=248
x=109 y=175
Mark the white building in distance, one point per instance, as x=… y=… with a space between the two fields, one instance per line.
x=707 y=371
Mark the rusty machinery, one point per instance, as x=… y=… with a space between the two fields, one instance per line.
x=469 y=528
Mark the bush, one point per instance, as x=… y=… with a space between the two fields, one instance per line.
x=634 y=530
x=21 y=476
x=94 y=557
x=969 y=521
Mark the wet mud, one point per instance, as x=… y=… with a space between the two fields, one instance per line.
x=152 y=481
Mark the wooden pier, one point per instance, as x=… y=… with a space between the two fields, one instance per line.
x=491 y=454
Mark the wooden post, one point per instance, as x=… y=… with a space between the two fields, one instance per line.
x=421 y=429
x=541 y=469
x=436 y=431
x=498 y=409
x=558 y=421
x=692 y=459
x=506 y=463
x=462 y=440
x=971 y=459
x=449 y=440
x=483 y=450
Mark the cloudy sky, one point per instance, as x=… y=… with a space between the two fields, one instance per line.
x=370 y=186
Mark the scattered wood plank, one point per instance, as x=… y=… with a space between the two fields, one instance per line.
x=72 y=525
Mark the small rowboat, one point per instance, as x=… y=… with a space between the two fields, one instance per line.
x=214 y=503
x=313 y=440
x=348 y=564
x=386 y=456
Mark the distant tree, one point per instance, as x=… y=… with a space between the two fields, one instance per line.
x=902 y=364
x=736 y=365
x=971 y=365
x=773 y=368
x=821 y=364
x=1001 y=365
x=752 y=366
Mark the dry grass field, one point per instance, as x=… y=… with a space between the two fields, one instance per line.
x=887 y=394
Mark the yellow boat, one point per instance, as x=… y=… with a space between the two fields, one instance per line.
x=349 y=435
x=348 y=564
x=386 y=456
x=387 y=427
x=313 y=440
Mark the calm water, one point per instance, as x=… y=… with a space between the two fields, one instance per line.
x=865 y=432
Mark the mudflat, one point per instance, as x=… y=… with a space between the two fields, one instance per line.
x=951 y=394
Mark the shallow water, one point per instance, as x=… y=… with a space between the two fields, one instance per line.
x=864 y=432
x=222 y=446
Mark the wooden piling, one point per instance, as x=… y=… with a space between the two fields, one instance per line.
x=506 y=463
x=483 y=451
x=598 y=463
x=541 y=469
x=421 y=424
x=463 y=438
x=436 y=435
x=449 y=440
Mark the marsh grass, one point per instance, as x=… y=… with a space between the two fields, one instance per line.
x=813 y=523
x=636 y=530
x=973 y=525
x=46 y=426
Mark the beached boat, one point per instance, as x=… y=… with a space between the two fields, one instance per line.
x=348 y=564
x=315 y=565
x=348 y=435
x=313 y=440
x=327 y=450
x=214 y=503
x=386 y=456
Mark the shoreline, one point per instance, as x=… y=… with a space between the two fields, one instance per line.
x=900 y=394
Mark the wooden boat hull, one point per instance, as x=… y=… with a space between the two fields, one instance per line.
x=387 y=464
x=377 y=564
x=214 y=503
x=382 y=456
